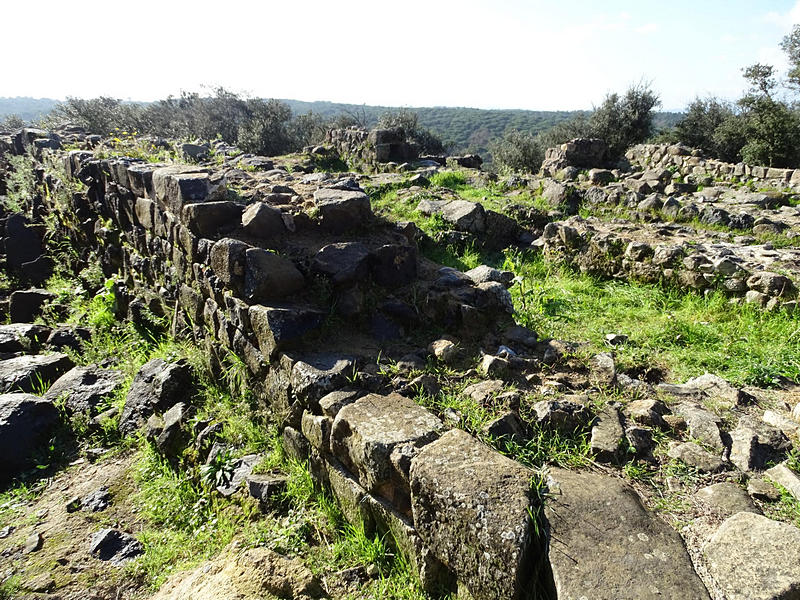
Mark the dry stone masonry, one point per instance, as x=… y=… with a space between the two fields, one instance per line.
x=295 y=275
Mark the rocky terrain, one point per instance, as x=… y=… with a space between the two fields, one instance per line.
x=355 y=372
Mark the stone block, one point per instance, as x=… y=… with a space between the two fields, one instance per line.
x=365 y=433
x=473 y=508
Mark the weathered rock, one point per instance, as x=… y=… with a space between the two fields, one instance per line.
x=228 y=262
x=788 y=426
x=22 y=337
x=393 y=265
x=278 y=328
x=703 y=425
x=607 y=433
x=33 y=543
x=563 y=415
x=561 y=196
x=25 y=373
x=114 y=546
x=251 y=573
x=177 y=185
x=695 y=456
x=315 y=375
x=22 y=244
x=640 y=440
x=762 y=490
x=342 y=210
x=260 y=220
x=485 y=274
x=465 y=216
x=241 y=469
x=365 y=433
x=157 y=386
x=26 y=305
x=195 y=151
x=69 y=337
x=343 y=263
x=785 y=477
x=173 y=435
x=472 y=507
x=206 y=219
x=580 y=152
x=647 y=412
x=603 y=370
x=507 y=426
x=754 y=443
x=444 y=350
x=708 y=388
x=83 y=389
x=97 y=501
x=752 y=557
x=727 y=499
x=269 y=276
x=25 y=421
x=264 y=487
x=333 y=402
x=605 y=544
x=771 y=284
x=317 y=430
x=493 y=366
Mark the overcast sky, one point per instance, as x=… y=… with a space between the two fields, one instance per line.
x=540 y=55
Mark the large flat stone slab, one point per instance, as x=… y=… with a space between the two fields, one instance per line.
x=26 y=422
x=83 y=389
x=22 y=337
x=472 y=506
x=605 y=544
x=365 y=433
x=752 y=557
x=26 y=373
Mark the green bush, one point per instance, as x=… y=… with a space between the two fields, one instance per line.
x=517 y=152
x=408 y=121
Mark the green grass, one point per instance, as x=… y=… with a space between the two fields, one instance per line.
x=683 y=333
x=787 y=508
x=185 y=523
x=453 y=180
x=21 y=184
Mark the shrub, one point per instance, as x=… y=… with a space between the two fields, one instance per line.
x=265 y=131
x=518 y=152
x=621 y=121
x=408 y=121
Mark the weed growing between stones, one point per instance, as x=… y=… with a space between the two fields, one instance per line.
x=21 y=183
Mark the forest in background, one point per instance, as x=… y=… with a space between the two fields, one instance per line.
x=461 y=129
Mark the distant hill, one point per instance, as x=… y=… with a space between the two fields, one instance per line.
x=28 y=109
x=465 y=129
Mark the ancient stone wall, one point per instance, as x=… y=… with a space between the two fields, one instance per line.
x=368 y=148
x=690 y=163
x=265 y=282
x=736 y=270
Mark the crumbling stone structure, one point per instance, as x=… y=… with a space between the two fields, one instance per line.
x=368 y=148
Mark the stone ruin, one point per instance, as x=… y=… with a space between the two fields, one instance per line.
x=273 y=280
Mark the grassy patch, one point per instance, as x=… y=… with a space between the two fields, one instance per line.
x=685 y=333
x=185 y=523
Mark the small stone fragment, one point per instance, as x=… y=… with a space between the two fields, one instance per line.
x=695 y=456
x=727 y=499
x=762 y=490
x=115 y=546
x=33 y=543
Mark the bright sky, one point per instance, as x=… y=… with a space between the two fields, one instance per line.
x=534 y=54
